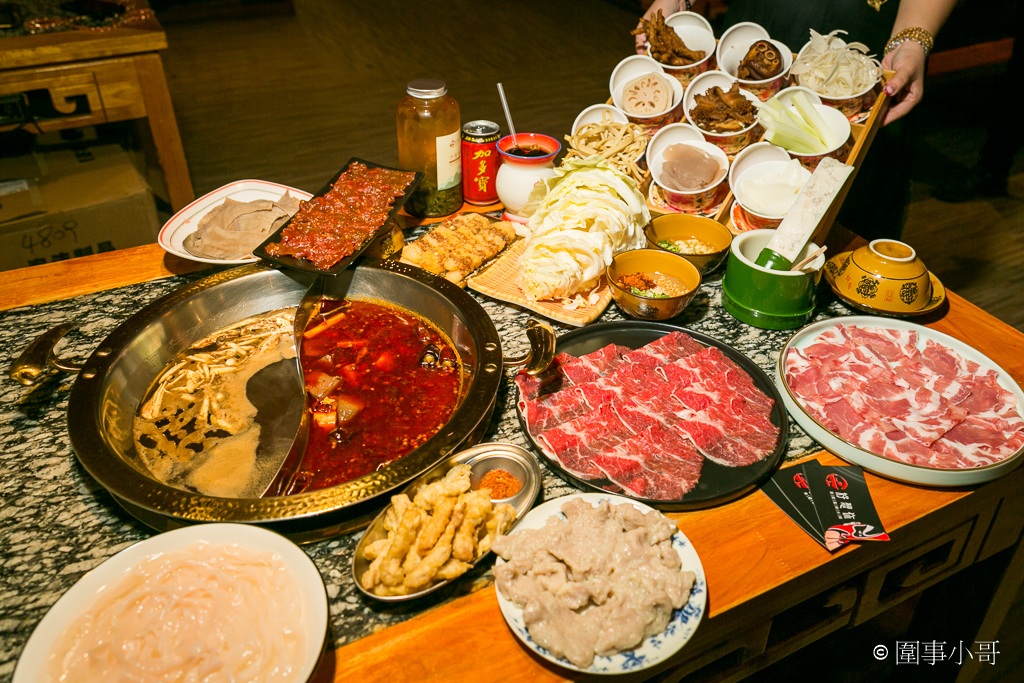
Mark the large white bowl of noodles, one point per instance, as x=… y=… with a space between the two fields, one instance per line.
x=299 y=629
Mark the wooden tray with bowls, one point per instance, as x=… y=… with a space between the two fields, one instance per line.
x=863 y=128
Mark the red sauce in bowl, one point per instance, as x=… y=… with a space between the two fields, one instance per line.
x=381 y=381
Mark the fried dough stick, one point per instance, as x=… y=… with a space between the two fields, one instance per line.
x=424 y=572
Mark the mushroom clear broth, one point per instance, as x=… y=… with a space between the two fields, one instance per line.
x=197 y=428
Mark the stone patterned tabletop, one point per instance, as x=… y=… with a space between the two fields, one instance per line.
x=57 y=523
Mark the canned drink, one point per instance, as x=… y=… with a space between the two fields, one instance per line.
x=480 y=161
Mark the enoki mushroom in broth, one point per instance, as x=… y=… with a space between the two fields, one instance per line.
x=196 y=429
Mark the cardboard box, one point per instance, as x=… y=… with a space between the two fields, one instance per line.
x=60 y=204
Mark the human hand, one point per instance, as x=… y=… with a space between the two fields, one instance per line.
x=667 y=8
x=906 y=87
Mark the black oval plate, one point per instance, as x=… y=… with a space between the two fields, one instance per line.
x=343 y=264
x=718 y=484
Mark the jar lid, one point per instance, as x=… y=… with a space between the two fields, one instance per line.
x=426 y=88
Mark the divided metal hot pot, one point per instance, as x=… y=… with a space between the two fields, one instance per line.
x=108 y=390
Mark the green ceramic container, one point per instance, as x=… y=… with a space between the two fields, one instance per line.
x=769 y=299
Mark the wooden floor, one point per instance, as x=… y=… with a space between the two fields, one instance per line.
x=291 y=98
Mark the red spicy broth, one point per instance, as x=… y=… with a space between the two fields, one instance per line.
x=381 y=381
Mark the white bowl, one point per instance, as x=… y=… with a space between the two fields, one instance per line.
x=705 y=82
x=835 y=120
x=629 y=68
x=755 y=154
x=757 y=171
x=736 y=42
x=655 y=162
x=863 y=92
x=33 y=660
x=593 y=114
x=785 y=96
x=686 y=200
x=690 y=20
x=695 y=38
x=677 y=95
x=669 y=135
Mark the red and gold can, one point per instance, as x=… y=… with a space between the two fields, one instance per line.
x=480 y=161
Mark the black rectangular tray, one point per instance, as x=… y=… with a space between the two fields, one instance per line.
x=340 y=266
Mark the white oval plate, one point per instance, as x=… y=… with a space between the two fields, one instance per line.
x=185 y=222
x=894 y=469
x=654 y=649
x=32 y=662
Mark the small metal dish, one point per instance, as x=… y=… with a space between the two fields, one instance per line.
x=483 y=458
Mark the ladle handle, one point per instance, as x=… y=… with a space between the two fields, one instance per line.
x=542 y=349
x=38 y=357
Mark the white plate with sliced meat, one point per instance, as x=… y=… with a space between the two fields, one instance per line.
x=668 y=416
x=903 y=401
x=652 y=650
x=185 y=222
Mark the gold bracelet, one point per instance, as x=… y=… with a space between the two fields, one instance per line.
x=914 y=34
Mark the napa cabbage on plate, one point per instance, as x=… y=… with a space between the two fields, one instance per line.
x=579 y=219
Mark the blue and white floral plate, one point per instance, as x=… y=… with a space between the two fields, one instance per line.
x=653 y=650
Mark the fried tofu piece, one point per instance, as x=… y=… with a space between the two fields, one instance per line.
x=478 y=507
x=437 y=523
x=460 y=245
x=454 y=483
x=391 y=571
x=423 y=573
x=498 y=522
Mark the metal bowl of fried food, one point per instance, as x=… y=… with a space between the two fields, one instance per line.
x=402 y=557
x=115 y=380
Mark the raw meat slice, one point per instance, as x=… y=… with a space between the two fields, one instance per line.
x=566 y=371
x=573 y=443
x=554 y=409
x=659 y=464
x=667 y=349
x=596 y=364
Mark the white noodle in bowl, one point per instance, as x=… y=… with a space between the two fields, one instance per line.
x=268 y=597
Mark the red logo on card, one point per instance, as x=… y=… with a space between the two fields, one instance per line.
x=836 y=482
x=800 y=481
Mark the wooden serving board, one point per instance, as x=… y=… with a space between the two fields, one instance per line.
x=500 y=280
x=862 y=133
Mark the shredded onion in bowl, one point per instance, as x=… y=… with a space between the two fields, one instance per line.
x=834 y=68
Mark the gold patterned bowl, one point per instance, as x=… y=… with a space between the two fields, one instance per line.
x=653 y=262
x=673 y=227
x=116 y=377
x=884 y=277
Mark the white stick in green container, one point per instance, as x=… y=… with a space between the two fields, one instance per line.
x=810 y=207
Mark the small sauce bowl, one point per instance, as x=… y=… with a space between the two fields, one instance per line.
x=672 y=227
x=652 y=261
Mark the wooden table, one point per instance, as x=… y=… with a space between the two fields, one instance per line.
x=100 y=77
x=771 y=589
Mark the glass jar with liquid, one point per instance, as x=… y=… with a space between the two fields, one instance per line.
x=429 y=141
